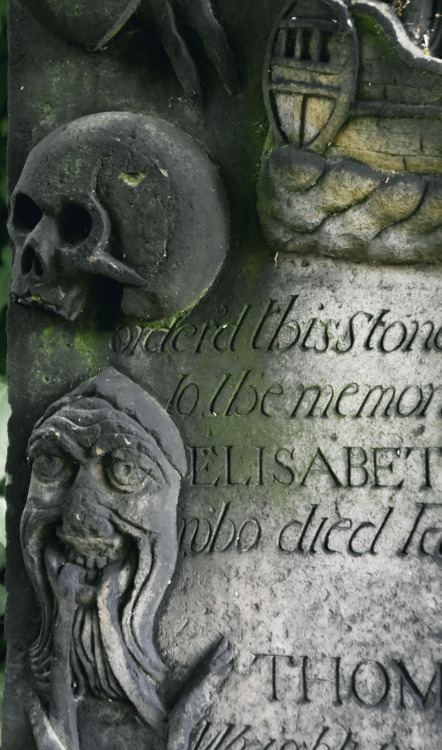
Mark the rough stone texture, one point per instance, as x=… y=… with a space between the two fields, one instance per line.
x=99 y=538
x=306 y=392
x=125 y=198
x=383 y=109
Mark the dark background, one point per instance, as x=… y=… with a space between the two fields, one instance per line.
x=5 y=266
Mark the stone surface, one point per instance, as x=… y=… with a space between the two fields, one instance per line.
x=126 y=198
x=99 y=537
x=304 y=541
x=352 y=86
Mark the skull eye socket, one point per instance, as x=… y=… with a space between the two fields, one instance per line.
x=26 y=214
x=74 y=223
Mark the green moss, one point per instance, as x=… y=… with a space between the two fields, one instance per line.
x=270 y=144
x=368 y=24
x=47 y=336
x=85 y=344
x=132 y=178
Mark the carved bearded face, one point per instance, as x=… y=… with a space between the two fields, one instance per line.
x=99 y=537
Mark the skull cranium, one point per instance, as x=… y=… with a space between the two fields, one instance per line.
x=127 y=197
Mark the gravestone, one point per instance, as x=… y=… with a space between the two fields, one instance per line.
x=224 y=514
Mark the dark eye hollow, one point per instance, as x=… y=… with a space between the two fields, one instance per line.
x=49 y=468
x=74 y=223
x=26 y=212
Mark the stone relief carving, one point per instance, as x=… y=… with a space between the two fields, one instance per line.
x=128 y=198
x=99 y=538
x=352 y=165
x=93 y=25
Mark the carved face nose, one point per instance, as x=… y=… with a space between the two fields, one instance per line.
x=84 y=518
x=85 y=523
x=85 y=528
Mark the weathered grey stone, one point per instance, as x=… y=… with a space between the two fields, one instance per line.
x=386 y=114
x=283 y=593
x=94 y=26
x=127 y=198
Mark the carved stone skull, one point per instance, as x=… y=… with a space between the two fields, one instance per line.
x=126 y=197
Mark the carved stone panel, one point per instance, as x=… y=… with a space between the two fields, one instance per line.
x=225 y=337
x=354 y=167
x=99 y=538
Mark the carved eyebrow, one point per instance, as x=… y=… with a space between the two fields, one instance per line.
x=59 y=434
x=134 y=445
x=56 y=444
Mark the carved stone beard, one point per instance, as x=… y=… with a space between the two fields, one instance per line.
x=103 y=589
x=91 y=671
x=96 y=590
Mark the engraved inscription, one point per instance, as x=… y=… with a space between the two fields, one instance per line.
x=226 y=530
x=244 y=395
x=275 y=328
x=236 y=737
x=369 y=683
x=350 y=467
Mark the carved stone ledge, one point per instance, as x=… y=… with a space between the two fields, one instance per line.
x=94 y=25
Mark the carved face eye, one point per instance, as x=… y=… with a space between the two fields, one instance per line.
x=126 y=475
x=49 y=468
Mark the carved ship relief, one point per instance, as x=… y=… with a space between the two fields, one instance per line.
x=353 y=167
x=349 y=82
x=311 y=72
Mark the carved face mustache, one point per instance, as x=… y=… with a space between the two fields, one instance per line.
x=93 y=552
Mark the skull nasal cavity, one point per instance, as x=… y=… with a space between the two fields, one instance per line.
x=74 y=223
x=30 y=262
x=26 y=213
